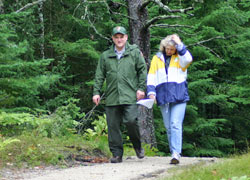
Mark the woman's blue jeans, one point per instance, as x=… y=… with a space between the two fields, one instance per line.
x=173 y=115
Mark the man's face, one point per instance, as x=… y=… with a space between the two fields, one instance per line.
x=170 y=50
x=120 y=40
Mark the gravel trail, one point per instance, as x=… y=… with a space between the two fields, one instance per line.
x=132 y=168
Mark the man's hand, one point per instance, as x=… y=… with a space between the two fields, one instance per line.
x=140 y=95
x=96 y=99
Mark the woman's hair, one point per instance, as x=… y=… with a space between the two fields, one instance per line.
x=167 y=41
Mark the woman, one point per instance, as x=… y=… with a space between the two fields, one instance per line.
x=166 y=82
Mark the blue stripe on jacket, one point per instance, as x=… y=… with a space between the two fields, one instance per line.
x=170 y=92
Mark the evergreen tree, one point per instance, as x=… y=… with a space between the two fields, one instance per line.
x=21 y=79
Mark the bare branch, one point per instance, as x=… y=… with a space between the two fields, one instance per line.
x=150 y=22
x=29 y=5
x=204 y=41
x=179 y=31
x=144 y=4
x=93 y=2
x=212 y=51
x=76 y=9
x=87 y=116
x=200 y=43
x=109 y=10
x=92 y=25
x=170 y=25
x=166 y=8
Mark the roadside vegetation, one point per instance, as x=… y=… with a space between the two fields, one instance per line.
x=234 y=168
x=42 y=140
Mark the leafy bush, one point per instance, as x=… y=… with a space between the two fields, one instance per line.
x=62 y=122
x=15 y=123
x=99 y=134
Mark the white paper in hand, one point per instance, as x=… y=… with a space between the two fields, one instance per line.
x=146 y=102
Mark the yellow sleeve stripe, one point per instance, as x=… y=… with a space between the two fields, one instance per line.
x=156 y=64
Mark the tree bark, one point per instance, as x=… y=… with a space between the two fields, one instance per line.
x=141 y=36
x=41 y=18
x=146 y=124
x=1 y=7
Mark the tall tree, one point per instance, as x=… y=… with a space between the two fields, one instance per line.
x=22 y=80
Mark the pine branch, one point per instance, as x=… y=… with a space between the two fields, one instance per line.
x=29 y=5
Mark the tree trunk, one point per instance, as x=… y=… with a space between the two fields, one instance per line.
x=138 y=34
x=1 y=7
x=141 y=36
x=41 y=18
x=146 y=124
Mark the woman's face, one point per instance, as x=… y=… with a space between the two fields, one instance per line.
x=170 y=50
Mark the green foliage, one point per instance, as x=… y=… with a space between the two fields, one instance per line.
x=99 y=134
x=238 y=178
x=100 y=128
x=29 y=150
x=151 y=151
x=75 y=32
x=236 y=167
x=21 y=80
x=15 y=123
x=62 y=122
x=6 y=142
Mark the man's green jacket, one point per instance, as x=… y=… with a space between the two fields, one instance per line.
x=123 y=76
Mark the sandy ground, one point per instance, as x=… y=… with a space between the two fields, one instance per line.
x=132 y=168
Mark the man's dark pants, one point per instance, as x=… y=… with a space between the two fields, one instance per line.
x=116 y=115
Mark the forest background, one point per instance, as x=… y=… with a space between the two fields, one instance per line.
x=49 y=50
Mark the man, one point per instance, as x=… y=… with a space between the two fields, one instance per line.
x=124 y=69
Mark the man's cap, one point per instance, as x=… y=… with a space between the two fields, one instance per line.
x=119 y=30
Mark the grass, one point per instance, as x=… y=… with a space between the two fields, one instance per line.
x=30 y=150
x=235 y=168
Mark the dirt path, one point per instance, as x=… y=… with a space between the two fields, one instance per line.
x=149 y=168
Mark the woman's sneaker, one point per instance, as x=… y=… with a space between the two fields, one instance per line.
x=175 y=158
